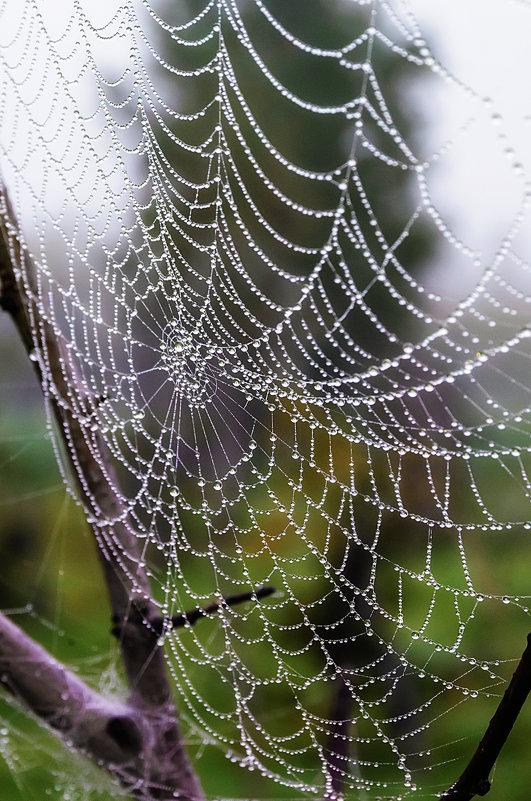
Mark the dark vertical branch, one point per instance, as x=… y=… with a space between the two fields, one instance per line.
x=338 y=742
x=191 y=617
x=128 y=586
x=475 y=778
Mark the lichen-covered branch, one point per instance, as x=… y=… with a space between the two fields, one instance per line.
x=127 y=583
x=103 y=729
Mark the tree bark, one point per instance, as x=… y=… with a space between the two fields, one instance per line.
x=166 y=771
x=102 y=728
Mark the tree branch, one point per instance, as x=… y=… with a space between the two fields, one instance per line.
x=103 y=729
x=161 y=624
x=475 y=778
x=127 y=583
x=338 y=741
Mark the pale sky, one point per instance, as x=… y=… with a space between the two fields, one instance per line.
x=485 y=43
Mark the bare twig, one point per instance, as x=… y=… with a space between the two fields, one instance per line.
x=475 y=778
x=165 y=624
x=167 y=771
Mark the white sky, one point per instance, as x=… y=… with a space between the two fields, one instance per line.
x=486 y=43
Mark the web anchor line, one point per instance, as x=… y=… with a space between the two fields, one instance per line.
x=475 y=778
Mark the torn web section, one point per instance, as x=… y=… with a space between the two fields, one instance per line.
x=236 y=258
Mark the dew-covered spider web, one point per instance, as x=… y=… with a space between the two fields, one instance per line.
x=308 y=375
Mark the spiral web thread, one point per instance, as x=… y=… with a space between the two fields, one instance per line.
x=287 y=398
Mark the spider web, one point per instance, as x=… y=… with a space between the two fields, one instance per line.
x=240 y=259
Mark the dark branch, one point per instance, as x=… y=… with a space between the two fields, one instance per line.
x=161 y=624
x=338 y=742
x=127 y=582
x=475 y=778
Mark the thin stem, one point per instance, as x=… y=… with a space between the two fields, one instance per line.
x=161 y=624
